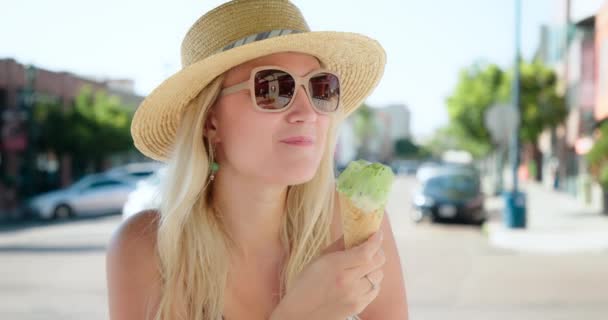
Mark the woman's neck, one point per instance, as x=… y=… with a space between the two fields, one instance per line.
x=252 y=212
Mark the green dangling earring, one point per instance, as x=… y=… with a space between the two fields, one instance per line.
x=214 y=168
x=214 y=165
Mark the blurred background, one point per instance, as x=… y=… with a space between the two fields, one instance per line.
x=500 y=207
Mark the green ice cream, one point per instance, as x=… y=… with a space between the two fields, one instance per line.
x=366 y=184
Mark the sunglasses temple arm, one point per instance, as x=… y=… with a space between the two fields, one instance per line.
x=234 y=88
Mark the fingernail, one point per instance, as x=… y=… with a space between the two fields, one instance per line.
x=381 y=235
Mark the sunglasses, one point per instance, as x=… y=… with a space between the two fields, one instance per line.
x=273 y=89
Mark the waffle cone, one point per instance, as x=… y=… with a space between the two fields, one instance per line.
x=358 y=225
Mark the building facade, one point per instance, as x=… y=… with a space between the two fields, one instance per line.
x=601 y=49
x=23 y=87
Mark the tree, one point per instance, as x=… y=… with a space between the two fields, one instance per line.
x=481 y=86
x=598 y=161
x=103 y=124
x=476 y=91
x=406 y=148
x=96 y=126
x=365 y=127
x=450 y=137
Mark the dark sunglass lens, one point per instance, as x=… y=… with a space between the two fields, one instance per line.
x=273 y=89
x=325 y=91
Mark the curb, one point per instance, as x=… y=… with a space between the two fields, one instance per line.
x=546 y=241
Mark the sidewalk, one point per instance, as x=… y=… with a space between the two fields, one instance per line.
x=556 y=223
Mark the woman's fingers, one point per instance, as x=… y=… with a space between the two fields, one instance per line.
x=362 y=254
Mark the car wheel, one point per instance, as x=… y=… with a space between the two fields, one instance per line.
x=478 y=219
x=63 y=211
x=435 y=218
x=478 y=222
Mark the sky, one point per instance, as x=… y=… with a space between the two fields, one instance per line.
x=427 y=41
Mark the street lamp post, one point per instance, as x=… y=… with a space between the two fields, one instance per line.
x=516 y=97
x=515 y=206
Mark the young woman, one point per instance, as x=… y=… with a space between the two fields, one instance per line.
x=249 y=226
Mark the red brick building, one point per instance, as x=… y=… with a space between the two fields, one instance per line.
x=601 y=26
x=62 y=87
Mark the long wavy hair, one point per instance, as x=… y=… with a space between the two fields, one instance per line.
x=193 y=243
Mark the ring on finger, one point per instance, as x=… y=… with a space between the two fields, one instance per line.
x=371 y=282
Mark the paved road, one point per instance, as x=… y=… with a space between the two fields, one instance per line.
x=56 y=271
x=452 y=272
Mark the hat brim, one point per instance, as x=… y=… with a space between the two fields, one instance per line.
x=357 y=59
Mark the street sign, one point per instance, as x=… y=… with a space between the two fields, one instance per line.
x=501 y=120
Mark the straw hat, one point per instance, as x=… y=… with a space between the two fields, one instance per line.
x=239 y=31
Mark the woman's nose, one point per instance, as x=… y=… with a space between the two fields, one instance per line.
x=302 y=109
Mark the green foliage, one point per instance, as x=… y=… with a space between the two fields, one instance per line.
x=603 y=177
x=51 y=129
x=96 y=125
x=598 y=156
x=450 y=138
x=406 y=148
x=475 y=92
x=483 y=85
x=365 y=128
x=364 y=124
x=541 y=107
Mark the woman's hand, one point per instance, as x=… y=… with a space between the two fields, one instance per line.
x=334 y=286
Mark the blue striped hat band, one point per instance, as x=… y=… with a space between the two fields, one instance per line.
x=258 y=37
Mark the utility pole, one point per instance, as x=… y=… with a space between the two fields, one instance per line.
x=516 y=98
x=515 y=206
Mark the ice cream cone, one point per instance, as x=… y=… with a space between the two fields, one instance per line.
x=363 y=189
x=357 y=224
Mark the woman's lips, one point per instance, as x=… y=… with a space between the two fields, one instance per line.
x=299 y=141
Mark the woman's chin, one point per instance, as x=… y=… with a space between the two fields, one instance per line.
x=295 y=178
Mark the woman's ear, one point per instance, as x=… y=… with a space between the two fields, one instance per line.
x=210 y=128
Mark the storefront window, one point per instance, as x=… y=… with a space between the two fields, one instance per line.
x=603 y=70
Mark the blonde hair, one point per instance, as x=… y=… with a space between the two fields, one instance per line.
x=193 y=244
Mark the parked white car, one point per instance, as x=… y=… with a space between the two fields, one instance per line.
x=146 y=194
x=136 y=171
x=91 y=195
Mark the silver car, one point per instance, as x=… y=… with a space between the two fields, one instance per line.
x=136 y=171
x=92 y=195
x=146 y=194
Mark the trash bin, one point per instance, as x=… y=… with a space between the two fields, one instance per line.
x=515 y=209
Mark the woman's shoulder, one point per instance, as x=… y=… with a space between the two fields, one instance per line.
x=138 y=232
x=132 y=267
